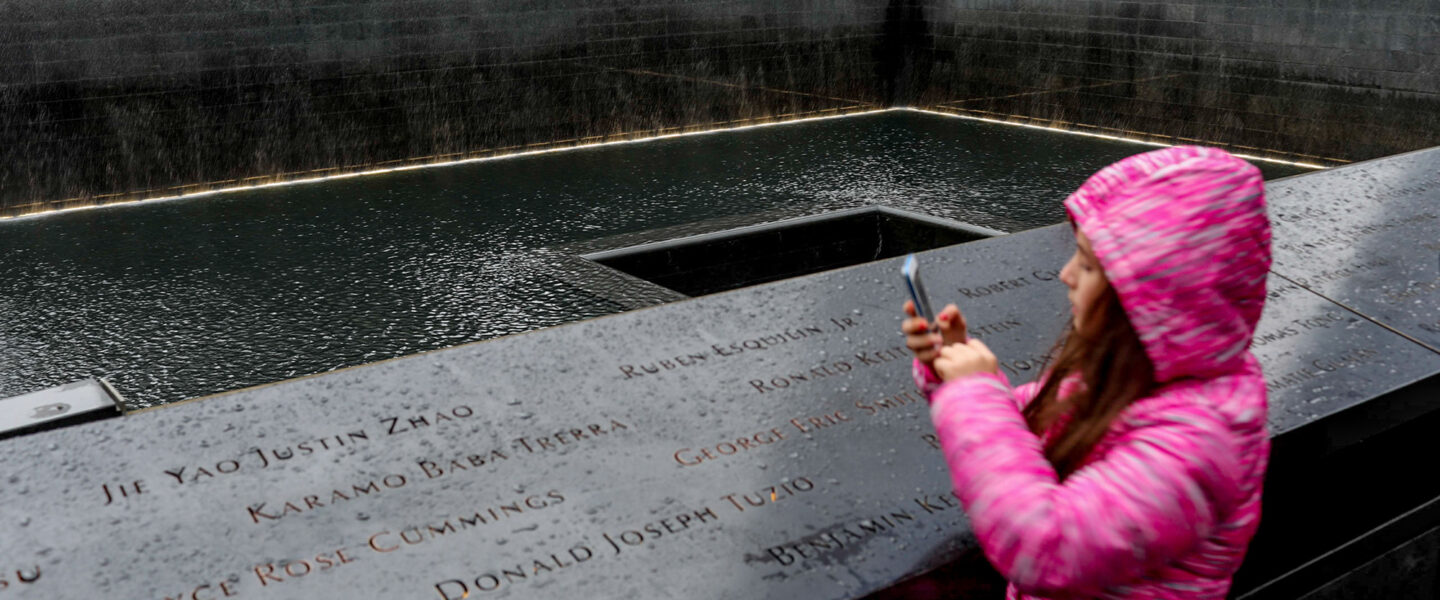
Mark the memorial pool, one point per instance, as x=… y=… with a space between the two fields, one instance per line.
x=176 y=299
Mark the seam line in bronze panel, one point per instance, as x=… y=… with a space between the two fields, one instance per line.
x=1358 y=312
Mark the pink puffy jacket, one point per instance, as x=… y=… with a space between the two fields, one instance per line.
x=1167 y=502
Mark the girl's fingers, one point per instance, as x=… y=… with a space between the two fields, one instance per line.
x=918 y=343
x=955 y=351
x=914 y=326
x=910 y=308
x=960 y=360
x=925 y=350
x=952 y=325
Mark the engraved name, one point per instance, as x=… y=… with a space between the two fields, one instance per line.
x=431 y=468
x=805 y=425
x=839 y=538
x=994 y=328
x=1280 y=291
x=698 y=357
x=387 y=541
x=832 y=369
x=688 y=457
x=268 y=511
x=273 y=573
x=905 y=398
x=1322 y=321
x=539 y=568
x=1007 y=285
x=1349 y=236
x=264 y=458
x=1411 y=291
x=769 y=495
x=276 y=573
x=1321 y=366
x=1345 y=272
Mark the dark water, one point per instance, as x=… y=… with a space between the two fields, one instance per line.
x=177 y=299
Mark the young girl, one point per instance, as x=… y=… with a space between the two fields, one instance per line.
x=1133 y=467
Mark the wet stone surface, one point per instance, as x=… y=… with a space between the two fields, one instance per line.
x=1320 y=359
x=763 y=443
x=767 y=440
x=1367 y=236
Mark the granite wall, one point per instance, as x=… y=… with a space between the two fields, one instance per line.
x=1410 y=571
x=114 y=99
x=1320 y=80
x=117 y=99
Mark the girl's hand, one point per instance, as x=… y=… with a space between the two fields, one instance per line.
x=926 y=343
x=962 y=360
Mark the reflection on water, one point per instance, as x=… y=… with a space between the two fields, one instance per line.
x=178 y=299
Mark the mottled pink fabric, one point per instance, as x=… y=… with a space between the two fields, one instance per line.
x=1166 y=504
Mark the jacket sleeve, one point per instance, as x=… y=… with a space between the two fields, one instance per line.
x=925 y=378
x=1152 y=497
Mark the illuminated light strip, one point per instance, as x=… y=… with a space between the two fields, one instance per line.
x=1105 y=136
x=522 y=154
x=639 y=140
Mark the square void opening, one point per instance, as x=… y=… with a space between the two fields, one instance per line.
x=726 y=260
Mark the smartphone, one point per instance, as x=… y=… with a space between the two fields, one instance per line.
x=911 y=271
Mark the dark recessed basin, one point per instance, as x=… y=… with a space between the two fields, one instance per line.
x=735 y=258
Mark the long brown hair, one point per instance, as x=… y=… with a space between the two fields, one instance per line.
x=1114 y=372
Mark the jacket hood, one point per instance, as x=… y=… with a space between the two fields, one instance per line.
x=1182 y=235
